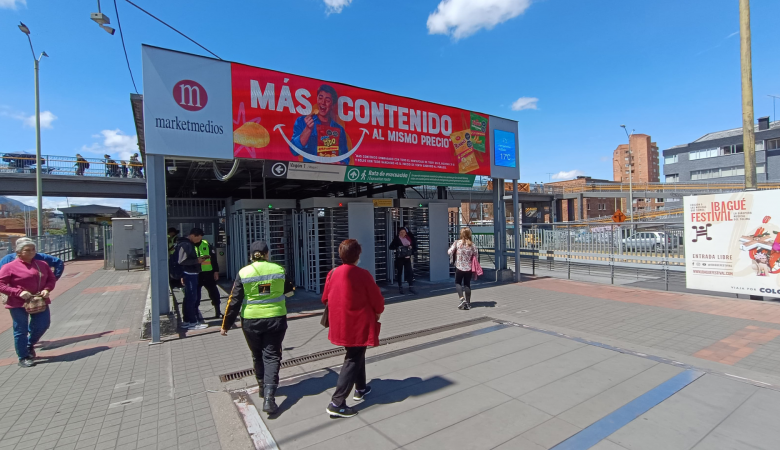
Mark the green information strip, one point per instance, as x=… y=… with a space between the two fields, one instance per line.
x=394 y=176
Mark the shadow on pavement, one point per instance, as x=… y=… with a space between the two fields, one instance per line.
x=384 y=391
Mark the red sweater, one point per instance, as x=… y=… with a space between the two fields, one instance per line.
x=353 y=300
x=18 y=276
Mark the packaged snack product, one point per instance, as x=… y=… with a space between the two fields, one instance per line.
x=251 y=134
x=328 y=140
x=459 y=139
x=478 y=131
x=467 y=162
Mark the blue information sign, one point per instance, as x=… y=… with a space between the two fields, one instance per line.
x=504 y=142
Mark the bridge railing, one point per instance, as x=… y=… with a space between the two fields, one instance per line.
x=69 y=165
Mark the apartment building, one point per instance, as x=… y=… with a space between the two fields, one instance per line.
x=645 y=167
x=719 y=156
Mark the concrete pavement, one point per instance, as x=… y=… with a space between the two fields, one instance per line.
x=588 y=356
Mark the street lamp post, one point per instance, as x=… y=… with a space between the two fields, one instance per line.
x=38 y=168
x=630 y=174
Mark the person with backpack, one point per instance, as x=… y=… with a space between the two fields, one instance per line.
x=404 y=245
x=190 y=264
x=259 y=295
x=461 y=253
x=81 y=165
x=112 y=170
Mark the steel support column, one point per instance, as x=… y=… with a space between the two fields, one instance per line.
x=158 y=243
x=518 y=222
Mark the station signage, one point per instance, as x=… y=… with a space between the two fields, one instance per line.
x=732 y=242
x=204 y=108
x=326 y=172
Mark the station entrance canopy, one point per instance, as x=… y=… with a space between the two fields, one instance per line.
x=197 y=107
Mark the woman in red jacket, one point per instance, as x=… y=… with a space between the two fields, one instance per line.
x=354 y=306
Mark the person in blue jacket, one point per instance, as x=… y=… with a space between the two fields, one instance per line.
x=56 y=264
x=314 y=133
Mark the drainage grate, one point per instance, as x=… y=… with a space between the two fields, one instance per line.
x=325 y=354
x=236 y=375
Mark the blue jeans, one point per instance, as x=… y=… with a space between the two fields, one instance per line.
x=191 y=298
x=28 y=329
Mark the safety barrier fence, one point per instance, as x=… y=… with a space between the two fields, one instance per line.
x=59 y=246
x=70 y=165
x=644 y=250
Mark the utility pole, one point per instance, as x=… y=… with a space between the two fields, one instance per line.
x=630 y=174
x=748 y=130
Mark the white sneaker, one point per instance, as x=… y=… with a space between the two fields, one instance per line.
x=199 y=326
x=184 y=325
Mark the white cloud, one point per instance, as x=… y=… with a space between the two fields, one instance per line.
x=47 y=117
x=525 y=103
x=462 y=18
x=114 y=143
x=606 y=158
x=12 y=4
x=334 y=6
x=567 y=175
x=732 y=34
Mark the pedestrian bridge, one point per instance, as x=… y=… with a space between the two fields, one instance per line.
x=66 y=176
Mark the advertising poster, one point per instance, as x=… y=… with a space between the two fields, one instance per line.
x=283 y=117
x=732 y=242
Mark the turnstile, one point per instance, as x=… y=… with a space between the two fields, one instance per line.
x=256 y=220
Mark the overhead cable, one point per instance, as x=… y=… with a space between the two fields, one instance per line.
x=174 y=29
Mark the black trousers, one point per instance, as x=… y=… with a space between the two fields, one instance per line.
x=463 y=277
x=404 y=266
x=206 y=279
x=264 y=337
x=353 y=373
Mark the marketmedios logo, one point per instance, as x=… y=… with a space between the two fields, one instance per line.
x=190 y=95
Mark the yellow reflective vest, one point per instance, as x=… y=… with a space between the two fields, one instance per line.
x=202 y=249
x=263 y=286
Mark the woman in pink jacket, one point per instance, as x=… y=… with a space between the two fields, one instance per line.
x=20 y=280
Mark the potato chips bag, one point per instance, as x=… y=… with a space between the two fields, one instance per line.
x=328 y=141
x=464 y=151
x=478 y=132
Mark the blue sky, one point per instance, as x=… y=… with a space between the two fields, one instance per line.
x=665 y=68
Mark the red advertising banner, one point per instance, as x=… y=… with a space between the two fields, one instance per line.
x=283 y=117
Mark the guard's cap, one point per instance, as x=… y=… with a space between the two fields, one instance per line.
x=196 y=232
x=173 y=230
x=258 y=246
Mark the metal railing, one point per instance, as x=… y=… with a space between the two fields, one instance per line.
x=69 y=165
x=59 y=246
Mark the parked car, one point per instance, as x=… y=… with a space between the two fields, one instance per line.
x=649 y=241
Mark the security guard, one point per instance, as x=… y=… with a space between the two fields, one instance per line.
x=259 y=294
x=209 y=274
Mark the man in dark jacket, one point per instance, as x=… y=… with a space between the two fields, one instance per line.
x=81 y=165
x=191 y=268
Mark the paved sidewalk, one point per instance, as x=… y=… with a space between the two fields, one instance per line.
x=99 y=386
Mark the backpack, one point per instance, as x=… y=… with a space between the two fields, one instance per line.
x=175 y=270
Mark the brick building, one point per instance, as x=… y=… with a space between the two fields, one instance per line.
x=569 y=210
x=645 y=166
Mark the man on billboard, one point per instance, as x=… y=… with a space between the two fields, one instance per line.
x=319 y=134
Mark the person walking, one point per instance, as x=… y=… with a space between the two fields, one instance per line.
x=124 y=169
x=136 y=167
x=461 y=252
x=259 y=295
x=404 y=245
x=56 y=264
x=191 y=263
x=112 y=170
x=354 y=304
x=27 y=283
x=81 y=165
x=209 y=273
